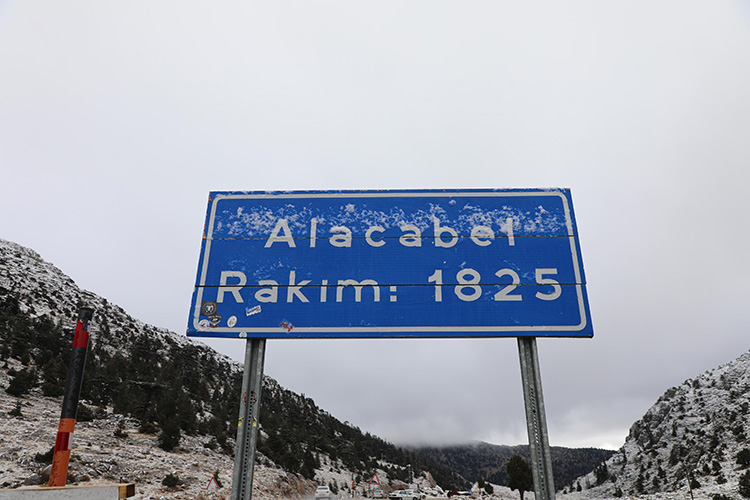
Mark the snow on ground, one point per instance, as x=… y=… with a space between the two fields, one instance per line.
x=98 y=456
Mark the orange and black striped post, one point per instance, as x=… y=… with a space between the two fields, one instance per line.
x=60 y=461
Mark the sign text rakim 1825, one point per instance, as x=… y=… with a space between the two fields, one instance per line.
x=393 y=263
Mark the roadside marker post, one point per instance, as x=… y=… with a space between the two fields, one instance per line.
x=61 y=458
x=481 y=263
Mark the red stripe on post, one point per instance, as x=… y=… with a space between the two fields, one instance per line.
x=81 y=337
x=62 y=442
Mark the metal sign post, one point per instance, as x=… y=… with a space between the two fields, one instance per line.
x=247 y=429
x=536 y=421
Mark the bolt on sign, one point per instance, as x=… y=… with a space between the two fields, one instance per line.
x=378 y=264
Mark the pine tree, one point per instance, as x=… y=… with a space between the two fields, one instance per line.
x=601 y=472
x=16 y=412
x=169 y=438
x=519 y=475
x=22 y=382
x=744 y=485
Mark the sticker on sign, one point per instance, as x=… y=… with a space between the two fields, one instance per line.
x=356 y=264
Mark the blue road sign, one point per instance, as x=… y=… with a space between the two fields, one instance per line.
x=425 y=263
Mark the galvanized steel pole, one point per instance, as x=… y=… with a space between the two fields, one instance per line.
x=247 y=429
x=536 y=422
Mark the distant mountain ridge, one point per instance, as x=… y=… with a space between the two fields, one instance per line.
x=488 y=461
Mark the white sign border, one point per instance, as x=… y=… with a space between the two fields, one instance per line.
x=340 y=331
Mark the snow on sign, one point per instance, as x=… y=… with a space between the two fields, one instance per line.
x=425 y=263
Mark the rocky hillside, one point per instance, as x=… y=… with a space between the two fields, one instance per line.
x=173 y=399
x=158 y=406
x=695 y=437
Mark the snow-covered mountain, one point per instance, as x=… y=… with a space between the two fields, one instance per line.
x=691 y=436
x=155 y=403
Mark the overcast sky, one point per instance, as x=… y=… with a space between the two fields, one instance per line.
x=118 y=118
